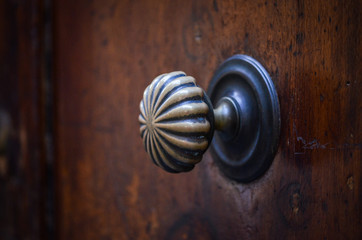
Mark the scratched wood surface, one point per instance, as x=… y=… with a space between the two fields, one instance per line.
x=106 y=52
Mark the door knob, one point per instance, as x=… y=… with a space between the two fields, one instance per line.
x=178 y=120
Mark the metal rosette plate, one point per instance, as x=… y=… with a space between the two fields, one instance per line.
x=250 y=153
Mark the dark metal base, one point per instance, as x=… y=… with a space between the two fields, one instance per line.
x=249 y=154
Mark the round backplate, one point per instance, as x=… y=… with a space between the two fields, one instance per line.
x=249 y=154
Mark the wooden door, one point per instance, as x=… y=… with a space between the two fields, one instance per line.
x=104 y=54
x=107 y=52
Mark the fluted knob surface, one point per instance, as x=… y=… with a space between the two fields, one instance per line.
x=176 y=122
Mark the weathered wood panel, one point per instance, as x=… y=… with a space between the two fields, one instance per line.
x=106 y=52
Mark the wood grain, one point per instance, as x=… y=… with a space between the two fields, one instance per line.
x=107 y=52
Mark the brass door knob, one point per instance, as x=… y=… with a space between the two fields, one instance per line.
x=177 y=120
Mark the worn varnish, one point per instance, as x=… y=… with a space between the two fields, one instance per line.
x=106 y=52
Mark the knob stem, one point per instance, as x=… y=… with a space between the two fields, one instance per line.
x=227 y=118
